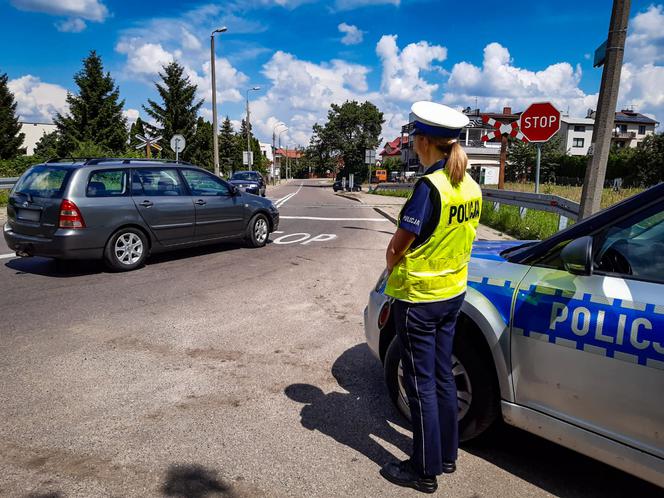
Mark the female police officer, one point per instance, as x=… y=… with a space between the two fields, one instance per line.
x=427 y=259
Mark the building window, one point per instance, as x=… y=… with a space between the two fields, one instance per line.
x=623 y=128
x=578 y=142
x=642 y=129
x=579 y=128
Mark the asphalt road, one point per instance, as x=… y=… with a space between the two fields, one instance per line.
x=229 y=371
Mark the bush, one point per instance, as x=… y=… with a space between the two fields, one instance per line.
x=16 y=167
x=4 y=197
x=537 y=225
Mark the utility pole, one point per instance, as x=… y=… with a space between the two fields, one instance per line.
x=215 y=134
x=249 y=161
x=593 y=184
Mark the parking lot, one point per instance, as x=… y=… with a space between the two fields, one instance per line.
x=231 y=371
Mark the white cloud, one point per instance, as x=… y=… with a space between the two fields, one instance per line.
x=144 y=58
x=92 y=10
x=300 y=94
x=498 y=83
x=72 y=25
x=402 y=80
x=353 y=35
x=645 y=42
x=131 y=115
x=37 y=101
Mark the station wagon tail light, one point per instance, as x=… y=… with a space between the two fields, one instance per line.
x=70 y=216
x=384 y=315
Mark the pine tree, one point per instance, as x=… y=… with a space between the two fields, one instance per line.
x=137 y=128
x=11 y=137
x=178 y=111
x=228 y=147
x=201 y=145
x=47 y=146
x=95 y=114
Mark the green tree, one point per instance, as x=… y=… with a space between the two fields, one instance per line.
x=228 y=147
x=392 y=164
x=47 y=146
x=137 y=128
x=11 y=138
x=95 y=114
x=178 y=111
x=647 y=161
x=351 y=128
x=202 y=145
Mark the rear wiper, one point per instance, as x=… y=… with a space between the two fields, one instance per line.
x=28 y=195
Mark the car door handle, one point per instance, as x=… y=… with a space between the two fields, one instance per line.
x=200 y=202
x=147 y=204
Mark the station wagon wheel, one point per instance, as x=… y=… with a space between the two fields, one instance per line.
x=258 y=230
x=126 y=249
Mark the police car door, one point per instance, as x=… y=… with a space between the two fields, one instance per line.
x=590 y=349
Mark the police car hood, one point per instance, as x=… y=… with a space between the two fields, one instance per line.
x=491 y=249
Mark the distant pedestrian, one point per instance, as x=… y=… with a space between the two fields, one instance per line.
x=428 y=263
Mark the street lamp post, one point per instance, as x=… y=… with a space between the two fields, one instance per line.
x=249 y=162
x=279 y=135
x=215 y=137
x=274 y=156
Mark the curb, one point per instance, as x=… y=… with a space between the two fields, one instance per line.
x=386 y=215
x=346 y=196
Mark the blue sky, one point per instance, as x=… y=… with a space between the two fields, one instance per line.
x=306 y=54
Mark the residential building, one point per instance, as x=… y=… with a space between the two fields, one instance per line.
x=33 y=133
x=266 y=150
x=630 y=129
x=285 y=158
x=393 y=148
x=483 y=156
x=577 y=134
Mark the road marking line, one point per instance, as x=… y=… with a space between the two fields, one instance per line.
x=317 y=218
x=284 y=200
x=7 y=256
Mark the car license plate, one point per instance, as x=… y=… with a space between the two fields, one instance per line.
x=28 y=214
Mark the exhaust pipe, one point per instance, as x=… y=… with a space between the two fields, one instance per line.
x=25 y=251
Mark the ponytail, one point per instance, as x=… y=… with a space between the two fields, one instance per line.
x=456 y=165
x=457 y=160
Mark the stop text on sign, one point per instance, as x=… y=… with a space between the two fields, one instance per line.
x=540 y=122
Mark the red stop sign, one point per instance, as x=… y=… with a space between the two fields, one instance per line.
x=540 y=122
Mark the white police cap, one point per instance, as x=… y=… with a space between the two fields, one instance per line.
x=437 y=120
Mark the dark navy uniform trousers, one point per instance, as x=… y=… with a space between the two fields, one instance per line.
x=426 y=335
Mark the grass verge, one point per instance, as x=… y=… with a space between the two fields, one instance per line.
x=4 y=197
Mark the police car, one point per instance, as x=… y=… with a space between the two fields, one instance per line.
x=563 y=337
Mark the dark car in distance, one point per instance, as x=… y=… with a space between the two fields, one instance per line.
x=249 y=181
x=121 y=210
x=338 y=185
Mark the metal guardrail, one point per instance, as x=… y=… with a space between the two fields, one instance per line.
x=565 y=208
x=7 y=183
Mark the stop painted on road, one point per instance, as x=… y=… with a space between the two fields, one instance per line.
x=302 y=238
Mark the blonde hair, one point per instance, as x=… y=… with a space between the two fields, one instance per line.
x=457 y=160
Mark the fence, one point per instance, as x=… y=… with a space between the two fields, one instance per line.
x=565 y=208
x=7 y=183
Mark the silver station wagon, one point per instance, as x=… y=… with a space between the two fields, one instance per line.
x=563 y=338
x=121 y=210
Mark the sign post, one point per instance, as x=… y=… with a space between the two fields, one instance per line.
x=178 y=143
x=539 y=123
x=149 y=143
x=369 y=159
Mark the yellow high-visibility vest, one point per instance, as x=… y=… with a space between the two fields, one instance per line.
x=438 y=269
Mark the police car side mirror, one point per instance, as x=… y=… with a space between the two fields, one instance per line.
x=577 y=256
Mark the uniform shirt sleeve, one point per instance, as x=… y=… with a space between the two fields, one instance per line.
x=417 y=209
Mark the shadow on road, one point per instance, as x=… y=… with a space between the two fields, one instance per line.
x=48 y=267
x=194 y=481
x=359 y=416
x=554 y=468
x=360 y=419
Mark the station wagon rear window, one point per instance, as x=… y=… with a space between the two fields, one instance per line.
x=110 y=183
x=47 y=182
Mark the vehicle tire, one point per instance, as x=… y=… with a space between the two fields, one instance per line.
x=477 y=393
x=258 y=230
x=126 y=250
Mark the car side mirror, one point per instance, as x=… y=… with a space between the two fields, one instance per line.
x=577 y=256
x=234 y=190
